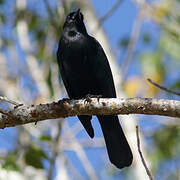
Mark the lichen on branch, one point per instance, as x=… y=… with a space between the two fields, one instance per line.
x=22 y=114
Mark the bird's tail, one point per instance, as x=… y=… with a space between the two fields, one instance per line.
x=86 y=122
x=117 y=146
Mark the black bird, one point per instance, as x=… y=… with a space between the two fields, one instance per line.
x=85 y=69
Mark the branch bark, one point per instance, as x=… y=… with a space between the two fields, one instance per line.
x=93 y=106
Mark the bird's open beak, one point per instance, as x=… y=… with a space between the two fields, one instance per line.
x=77 y=14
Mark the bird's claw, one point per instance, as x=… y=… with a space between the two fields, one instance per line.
x=63 y=100
x=89 y=96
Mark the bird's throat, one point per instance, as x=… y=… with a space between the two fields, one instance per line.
x=72 y=33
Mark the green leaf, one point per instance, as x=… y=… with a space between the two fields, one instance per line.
x=33 y=22
x=1 y=2
x=34 y=156
x=10 y=161
x=45 y=138
x=166 y=141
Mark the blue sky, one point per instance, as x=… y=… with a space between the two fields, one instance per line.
x=120 y=22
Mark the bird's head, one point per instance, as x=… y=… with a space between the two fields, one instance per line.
x=74 y=21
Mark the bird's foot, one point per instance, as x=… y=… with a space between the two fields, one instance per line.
x=63 y=100
x=89 y=96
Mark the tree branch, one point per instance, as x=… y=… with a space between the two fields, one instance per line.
x=2 y=98
x=94 y=106
x=164 y=88
x=132 y=45
x=55 y=150
x=141 y=155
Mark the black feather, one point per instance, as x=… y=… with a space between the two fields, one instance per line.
x=85 y=69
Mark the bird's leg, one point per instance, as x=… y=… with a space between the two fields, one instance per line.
x=89 y=96
x=63 y=100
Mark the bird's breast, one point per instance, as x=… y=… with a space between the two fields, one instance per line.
x=77 y=67
x=76 y=59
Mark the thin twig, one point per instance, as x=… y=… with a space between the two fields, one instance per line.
x=164 y=88
x=4 y=112
x=108 y=13
x=8 y=100
x=141 y=155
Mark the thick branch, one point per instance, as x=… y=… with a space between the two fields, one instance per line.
x=64 y=108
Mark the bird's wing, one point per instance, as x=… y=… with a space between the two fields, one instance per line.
x=64 y=78
x=118 y=149
x=101 y=70
x=85 y=120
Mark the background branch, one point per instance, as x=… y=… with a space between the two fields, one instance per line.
x=132 y=44
x=55 y=150
x=109 y=13
x=106 y=106
x=8 y=100
x=141 y=155
x=163 y=88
